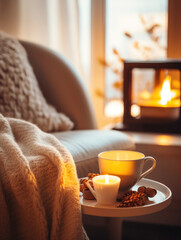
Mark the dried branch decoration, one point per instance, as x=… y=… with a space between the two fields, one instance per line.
x=152 y=31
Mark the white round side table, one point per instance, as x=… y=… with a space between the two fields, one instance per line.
x=115 y=215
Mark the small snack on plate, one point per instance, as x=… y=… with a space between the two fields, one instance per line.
x=142 y=189
x=92 y=175
x=83 y=186
x=136 y=198
x=151 y=192
x=87 y=194
x=84 y=181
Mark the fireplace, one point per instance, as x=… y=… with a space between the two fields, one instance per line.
x=152 y=96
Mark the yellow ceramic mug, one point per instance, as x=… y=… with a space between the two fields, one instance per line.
x=128 y=165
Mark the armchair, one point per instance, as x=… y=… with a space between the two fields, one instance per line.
x=63 y=88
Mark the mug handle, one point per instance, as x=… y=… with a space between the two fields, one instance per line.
x=91 y=189
x=151 y=168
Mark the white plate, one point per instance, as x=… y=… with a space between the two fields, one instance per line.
x=161 y=200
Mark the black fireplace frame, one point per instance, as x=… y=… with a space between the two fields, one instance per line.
x=145 y=124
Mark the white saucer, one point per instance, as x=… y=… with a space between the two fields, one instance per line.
x=161 y=200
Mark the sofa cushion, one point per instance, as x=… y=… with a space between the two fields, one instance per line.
x=20 y=95
x=85 y=145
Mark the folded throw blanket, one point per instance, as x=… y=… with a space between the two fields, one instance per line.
x=39 y=189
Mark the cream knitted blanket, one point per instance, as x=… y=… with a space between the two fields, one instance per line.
x=39 y=190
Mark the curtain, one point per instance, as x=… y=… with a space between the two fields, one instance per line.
x=52 y=23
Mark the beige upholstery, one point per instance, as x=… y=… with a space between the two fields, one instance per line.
x=63 y=88
x=85 y=145
x=61 y=85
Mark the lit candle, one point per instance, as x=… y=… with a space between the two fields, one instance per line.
x=165 y=107
x=106 y=179
x=105 y=189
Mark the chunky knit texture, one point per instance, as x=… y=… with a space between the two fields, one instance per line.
x=39 y=189
x=20 y=95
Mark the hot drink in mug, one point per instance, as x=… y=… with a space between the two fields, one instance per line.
x=128 y=165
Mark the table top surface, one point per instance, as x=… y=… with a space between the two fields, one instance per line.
x=161 y=200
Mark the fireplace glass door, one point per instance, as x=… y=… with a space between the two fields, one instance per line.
x=152 y=93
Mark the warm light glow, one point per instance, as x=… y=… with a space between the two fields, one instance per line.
x=175 y=93
x=164 y=140
x=106 y=179
x=114 y=108
x=166 y=91
x=145 y=95
x=135 y=110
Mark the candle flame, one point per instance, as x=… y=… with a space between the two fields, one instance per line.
x=135 y=110
x=106 y=179
x=166 y=91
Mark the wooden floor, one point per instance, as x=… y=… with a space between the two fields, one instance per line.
x=140 y=231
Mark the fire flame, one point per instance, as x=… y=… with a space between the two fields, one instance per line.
x=166 y=91
x=106 y=179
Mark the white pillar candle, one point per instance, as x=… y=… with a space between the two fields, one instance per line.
x=106 y=189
